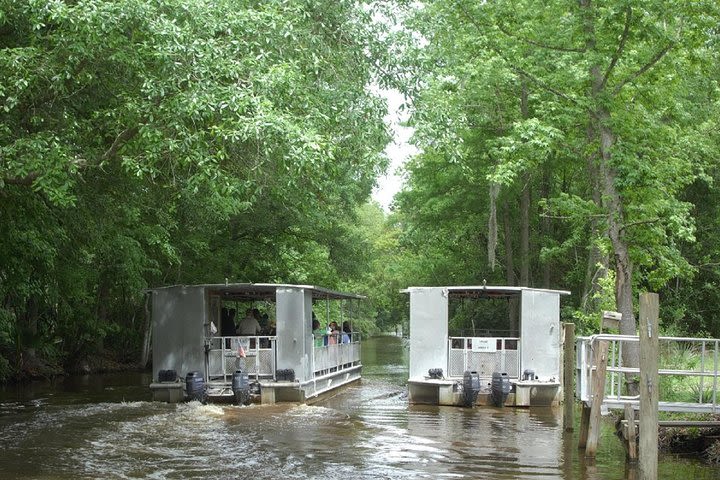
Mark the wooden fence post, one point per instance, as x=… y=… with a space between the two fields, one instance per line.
x=584 y=426
x=648 y=323
x=569 y=376
x=598 y=389
x=631 y=438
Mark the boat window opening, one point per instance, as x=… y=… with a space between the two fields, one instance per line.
x=482 y=317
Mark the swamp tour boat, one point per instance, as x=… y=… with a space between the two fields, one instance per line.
x=199 y=353
x=511 y=355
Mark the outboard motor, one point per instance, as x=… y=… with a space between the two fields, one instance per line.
x=241 y=387
x=285 y=375
x=500 y=387
x=471 y=387
x=195 y=387
x=166 y=376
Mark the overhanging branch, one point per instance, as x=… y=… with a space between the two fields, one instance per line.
x=621 y=47
x=515 y=68
x=124 y=136
x=539 y=44
x=655 y=59
x=25 y=181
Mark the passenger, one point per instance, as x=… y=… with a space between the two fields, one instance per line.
x=227 y=322
x=334 y=334
x=272 y=331
x=346 y=332
x=318 y=333
x=248 y=325
x=265 y=324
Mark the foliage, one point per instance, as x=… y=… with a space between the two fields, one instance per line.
x=577 y=114
x=152 y=142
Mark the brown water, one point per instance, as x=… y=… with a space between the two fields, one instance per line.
x=105 y=427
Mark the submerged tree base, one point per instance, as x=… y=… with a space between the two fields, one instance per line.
x=700 y=442
x=36 y=368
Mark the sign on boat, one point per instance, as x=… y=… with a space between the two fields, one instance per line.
x=518 y=364
x=198 y=354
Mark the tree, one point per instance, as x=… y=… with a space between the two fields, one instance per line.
x=152 y=142
x=603 y=87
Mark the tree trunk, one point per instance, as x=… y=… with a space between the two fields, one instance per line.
x=597 y=261
x=525 y=204
x=601 y=120
x=103 y=298
x=525 y=232
x=546 y=227
x=621 y=253
x=147 y=333
x=513 y=309
x=32 y=315
x=507 y=237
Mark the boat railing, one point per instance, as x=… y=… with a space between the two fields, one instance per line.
x=254 y=355
x=484 y=355
x=688 y=369
x=332 y=354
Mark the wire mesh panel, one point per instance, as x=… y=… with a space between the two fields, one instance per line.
x=456 y=365
x=253 y=355
x=216 y=366
x=483 y=355
x=266 y=362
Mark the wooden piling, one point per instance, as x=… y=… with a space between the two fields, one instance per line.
x=598 y=389
x=584 y=426
x=648 y=323
x=630 y=437
x=569 y=376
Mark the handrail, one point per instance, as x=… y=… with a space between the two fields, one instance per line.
x=683 y=386
x=338 y=356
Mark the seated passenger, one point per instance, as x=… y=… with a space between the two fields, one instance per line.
x=318 y=333
x=334 y=335
x=227 y=322
x=248 y=325
x=347 y=332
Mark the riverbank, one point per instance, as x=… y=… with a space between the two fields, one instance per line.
x=700 y=442
x=33 y=367
x=694 y=442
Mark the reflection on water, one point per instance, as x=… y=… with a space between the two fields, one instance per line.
x=82 y=428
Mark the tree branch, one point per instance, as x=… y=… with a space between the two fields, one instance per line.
x=25 y=181
x=538 y=44
x=621 y=47
x=570 y=217
x=639 y=222
x=655 y=59
x=513 y=67
x=124 y=136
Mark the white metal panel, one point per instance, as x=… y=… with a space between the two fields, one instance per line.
x=178 y=319
x=428 y=330
x=540 y=333
x=294 y=330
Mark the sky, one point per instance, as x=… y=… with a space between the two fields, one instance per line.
x=398 y=151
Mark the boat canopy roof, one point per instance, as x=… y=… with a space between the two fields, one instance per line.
x=265 y=291
x=487 y=291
